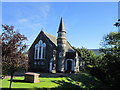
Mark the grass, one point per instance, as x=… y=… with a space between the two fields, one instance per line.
x=83 y=80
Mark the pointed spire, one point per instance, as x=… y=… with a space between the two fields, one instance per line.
x=61 y=26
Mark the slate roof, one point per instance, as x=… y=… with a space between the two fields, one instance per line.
x=54 y=40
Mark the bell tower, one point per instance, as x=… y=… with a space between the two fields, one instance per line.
x=61 y=45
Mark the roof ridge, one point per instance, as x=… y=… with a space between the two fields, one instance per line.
x=53 y=39
x=50 y=35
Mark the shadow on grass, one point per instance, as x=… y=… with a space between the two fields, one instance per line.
x=81 y=81
x=64 y=84
x=20 y=81
x=87 y=81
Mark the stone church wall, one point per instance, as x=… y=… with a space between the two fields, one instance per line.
x=41 y=64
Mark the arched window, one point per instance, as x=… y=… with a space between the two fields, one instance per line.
x=60 y=54
x=40 y=42
x=36 y=51
x=44 y=49
x=40 y=50
x=35 y=62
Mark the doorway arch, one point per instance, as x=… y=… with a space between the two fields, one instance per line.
x=69 y=65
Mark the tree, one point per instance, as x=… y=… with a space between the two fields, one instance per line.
x=111 y=59
x=117 y=24
x=88 y=56
x=13 y=51
x=111 y=46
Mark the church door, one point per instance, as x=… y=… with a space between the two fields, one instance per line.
x=69 y=65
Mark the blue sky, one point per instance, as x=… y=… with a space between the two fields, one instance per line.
x=85 y=22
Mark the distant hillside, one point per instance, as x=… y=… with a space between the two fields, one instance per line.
x=96 y=51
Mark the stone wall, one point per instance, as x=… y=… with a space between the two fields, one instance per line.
x=42 y=64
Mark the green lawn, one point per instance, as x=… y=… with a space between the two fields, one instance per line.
x=83 y=80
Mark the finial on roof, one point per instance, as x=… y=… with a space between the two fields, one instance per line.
x=61 y=26
x=41 y=30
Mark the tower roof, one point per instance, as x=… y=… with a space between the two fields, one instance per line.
x=61 y=26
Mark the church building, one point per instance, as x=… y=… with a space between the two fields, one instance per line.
x=48 y=53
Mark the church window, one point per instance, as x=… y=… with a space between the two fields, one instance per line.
x=40 y=42
x=42 y=63
x=35 y=62
x=36 y=51
x=44 y=49
x=60 y=54
x=40 y=50
x=54 y=53
x=59 y=35
x=39 y=63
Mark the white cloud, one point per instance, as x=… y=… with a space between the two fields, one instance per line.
x=29 y=23
x=44 y=10
x=37 y=20
x=23 y=20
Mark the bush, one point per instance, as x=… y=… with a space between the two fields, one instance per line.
x=98 y=73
